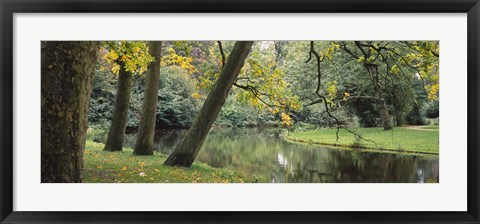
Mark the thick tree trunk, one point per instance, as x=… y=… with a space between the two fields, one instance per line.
x=185 y=152
x=66 y=83
x=120 y=112
x=383 y=109
x=146 y=131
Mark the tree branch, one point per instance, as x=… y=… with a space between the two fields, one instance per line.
x=221 y=52
x=324 y=99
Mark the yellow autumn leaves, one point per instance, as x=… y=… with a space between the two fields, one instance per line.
x=267 y=87
x=134 y=57
x=286 y=120
x=172 y=58
x=131 y=55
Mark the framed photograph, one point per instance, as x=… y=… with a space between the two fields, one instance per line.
x=239 y=111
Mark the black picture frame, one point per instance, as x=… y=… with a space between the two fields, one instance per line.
x=9 y=7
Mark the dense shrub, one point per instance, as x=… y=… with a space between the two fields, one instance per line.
x=236 y=114
x=415 y=116
x=177 y=107
x=431 y=109
x=102 y=99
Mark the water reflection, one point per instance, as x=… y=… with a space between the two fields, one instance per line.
x=262 y=152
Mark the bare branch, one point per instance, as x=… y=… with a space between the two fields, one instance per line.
x=221 y=52
x=343 y=46
x=111 y=45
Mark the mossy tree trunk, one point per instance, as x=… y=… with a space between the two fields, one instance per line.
x=146 y=131
x=382 y=104
x=386 y=119
x=400 y=117
x=120 y=111
x=185 y=152
x=66 y=84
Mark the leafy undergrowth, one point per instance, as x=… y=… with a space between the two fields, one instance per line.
x=399 y=139
x=123 y=167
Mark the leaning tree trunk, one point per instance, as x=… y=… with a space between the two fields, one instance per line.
x=66 y=82
x=382 y=104
x=185 y=152
x=146 y=131
x=120 y=112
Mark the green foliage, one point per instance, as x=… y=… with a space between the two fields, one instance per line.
x=102 y=99
x=238 y=114
x=177 y=107
x=415 y=116
x=276 y=85
x=431 y=109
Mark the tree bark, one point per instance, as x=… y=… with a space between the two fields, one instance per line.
x=400 y=118
x=387 y=121
x=185 y=152
x=146 y=131
x=66 y=84
x=382 y=104
x=120 y=112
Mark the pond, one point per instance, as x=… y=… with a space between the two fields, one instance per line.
x=263 y=152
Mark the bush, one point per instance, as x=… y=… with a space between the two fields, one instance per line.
x=102 y=98
x=177 y=107
x=237 y=114
x=415 y=116
x=431 y=109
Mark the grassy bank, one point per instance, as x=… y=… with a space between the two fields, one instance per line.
x=420 y=139
x=123 y=167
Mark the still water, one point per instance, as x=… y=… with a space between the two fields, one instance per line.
x=263 y=152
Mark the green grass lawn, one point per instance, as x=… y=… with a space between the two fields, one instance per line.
x=123 y=167
x=398 y=139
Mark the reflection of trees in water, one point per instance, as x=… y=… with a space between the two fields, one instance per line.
x=345 y=166
x=429 y=171
x=245 y=151
x=260 y=152
x=166 y=140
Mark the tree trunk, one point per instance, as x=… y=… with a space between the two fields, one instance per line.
x=400 y=117
x=66 y=82
x=185 y=152
x=146 y=131
x=120 y=112
x=383 y=109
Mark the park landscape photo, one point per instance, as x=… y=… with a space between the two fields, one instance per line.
x=240 y=111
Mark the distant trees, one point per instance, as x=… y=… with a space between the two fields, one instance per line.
x=67 y=69
x=370 y=61
x=357 y=75
x=177 y=105
x=393 y=68
x=186 y=151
